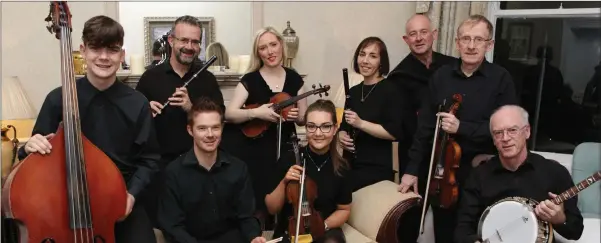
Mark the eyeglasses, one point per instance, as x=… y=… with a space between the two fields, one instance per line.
x=186 y=40
x=478 y=41
x=512 y=132
x=325 y=128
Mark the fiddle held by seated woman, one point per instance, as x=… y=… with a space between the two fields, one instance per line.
x=326 y=199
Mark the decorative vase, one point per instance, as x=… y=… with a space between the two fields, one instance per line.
x=9 y=151
x=291 y=41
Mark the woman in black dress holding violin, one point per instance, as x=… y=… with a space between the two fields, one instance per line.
x=323 y=165
x=374 y=115
x=266 y=77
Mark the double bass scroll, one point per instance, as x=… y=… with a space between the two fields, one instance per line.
x=75 y=193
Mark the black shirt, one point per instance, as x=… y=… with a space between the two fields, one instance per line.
x=381 y=106
x=158 y=84
x=117 y=120
x=534 y=179
x=197 y=204
x=332 y=189
x=411 y=78
x=489 y=88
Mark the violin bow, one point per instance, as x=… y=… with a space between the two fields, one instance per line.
x=300 y=200
x=424 y=206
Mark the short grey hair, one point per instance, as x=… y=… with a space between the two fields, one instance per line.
x=523 y=113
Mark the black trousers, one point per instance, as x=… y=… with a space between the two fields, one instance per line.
x=150 y=196
x=444 y=219
x=135 y=228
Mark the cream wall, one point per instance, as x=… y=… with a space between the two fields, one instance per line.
x=329 y=32
x=30 y=52
x=232 y=21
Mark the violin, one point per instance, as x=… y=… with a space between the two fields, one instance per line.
x=75 y=193
x=307 y=223
x=446 y=154
x=282 y=104
x=443 y=184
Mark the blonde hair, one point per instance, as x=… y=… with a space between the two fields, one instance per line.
x=255 y=60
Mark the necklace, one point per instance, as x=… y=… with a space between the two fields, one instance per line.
x=372 y=89
x=322 y=164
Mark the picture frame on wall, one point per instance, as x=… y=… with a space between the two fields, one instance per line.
x=155 y=27
x=520 y=40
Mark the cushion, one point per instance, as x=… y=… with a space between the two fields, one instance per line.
x=586 y=163
x=354 y=236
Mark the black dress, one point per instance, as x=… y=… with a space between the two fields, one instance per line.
x=382 y=105
x=332 y=189
x=260 y=153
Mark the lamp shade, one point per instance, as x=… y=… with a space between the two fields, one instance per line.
x=15 y=104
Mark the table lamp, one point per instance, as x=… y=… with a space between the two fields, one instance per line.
x=17 y=110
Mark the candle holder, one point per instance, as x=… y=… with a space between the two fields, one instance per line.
x=291 y=41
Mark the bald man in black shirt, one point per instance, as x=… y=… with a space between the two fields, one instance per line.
x=516 y=172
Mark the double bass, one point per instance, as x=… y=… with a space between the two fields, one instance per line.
x=307 y=223
x=75 y=193
x=446 y=155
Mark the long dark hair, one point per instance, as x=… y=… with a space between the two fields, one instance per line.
x=328 y=106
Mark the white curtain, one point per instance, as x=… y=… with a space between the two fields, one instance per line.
x=446 y=17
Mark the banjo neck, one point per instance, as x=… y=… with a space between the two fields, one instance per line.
x=573 y=191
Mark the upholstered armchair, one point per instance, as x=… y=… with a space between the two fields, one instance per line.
x=587 y=161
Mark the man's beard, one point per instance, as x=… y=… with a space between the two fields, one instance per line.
x=179 y=58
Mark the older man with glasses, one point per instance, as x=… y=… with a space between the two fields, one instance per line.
x=517 y=172
x=483 y=87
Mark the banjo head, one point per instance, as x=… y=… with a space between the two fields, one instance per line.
x=512 y=220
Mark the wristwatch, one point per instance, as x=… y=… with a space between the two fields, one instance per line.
x=326 y=225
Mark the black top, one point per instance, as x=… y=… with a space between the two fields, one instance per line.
x=411 y=77
x=199 y=204
x=534 y=179
x=332 y=189
x=260 y=153
x=381 y=106
x=158 y=84
x=117 y=120
x=489 y=87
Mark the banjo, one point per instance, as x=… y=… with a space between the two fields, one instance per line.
x=513 y=220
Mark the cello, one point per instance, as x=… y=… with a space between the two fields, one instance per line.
x=446 y=156
x=307 y=223
x=75 y=193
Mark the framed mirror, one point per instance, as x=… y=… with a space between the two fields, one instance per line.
x=155 y=27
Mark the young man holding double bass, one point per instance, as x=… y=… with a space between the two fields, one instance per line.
x=113 y=116
x=483 y=87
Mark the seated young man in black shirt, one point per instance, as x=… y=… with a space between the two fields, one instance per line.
x=208 y=195
x=516 y=172
x=324 y=166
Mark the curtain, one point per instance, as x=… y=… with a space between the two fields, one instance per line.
x=446 y=17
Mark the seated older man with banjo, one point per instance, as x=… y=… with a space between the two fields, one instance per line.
x=518 y=196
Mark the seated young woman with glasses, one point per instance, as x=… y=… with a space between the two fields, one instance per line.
x=324 y=166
